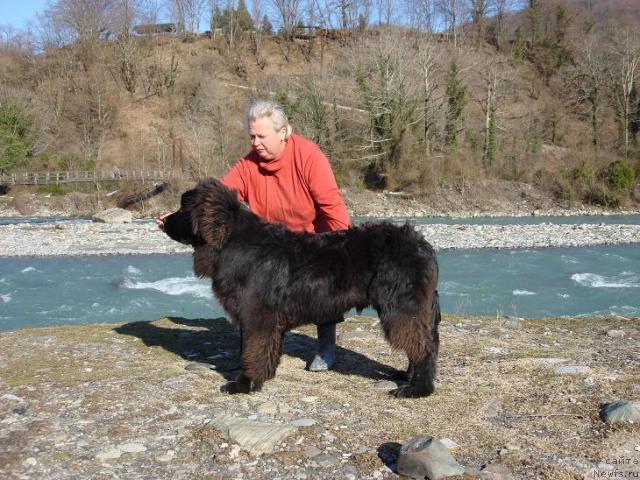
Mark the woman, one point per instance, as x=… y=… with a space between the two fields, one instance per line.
x=286 y=179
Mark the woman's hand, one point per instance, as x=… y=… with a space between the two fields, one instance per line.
x=160 y=220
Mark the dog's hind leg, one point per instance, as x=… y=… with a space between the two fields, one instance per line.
x=420 y=341
x=422 y=371
x=261 y=352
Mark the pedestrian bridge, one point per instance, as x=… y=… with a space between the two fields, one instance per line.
x=60 y=177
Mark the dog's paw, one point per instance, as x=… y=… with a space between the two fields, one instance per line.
x=256 y=386
x=408 y=391
x=241 y=384
x=235 y=387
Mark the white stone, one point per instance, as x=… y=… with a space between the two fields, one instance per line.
x=132 y=447
x=167 y=457
x=616 y=333
x=572 y=370
x=497 y=350
x=112 y=454
x=113 y=215
x=268 y=408
x=551 y=360
x=450 y=444
x=304 y=422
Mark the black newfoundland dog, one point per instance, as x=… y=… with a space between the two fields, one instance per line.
x=270 y=280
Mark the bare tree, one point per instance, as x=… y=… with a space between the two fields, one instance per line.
x=451 y=12
x=127 y=62
x=324 y=13
x=385 y=11
x=186 y=14
x=478 y=10
x=428 y=57
x=586 y=83
x=500 y=9
x=80 y=23
x=214 y=9
x=256 y=13
x=232 y=27
x=340 y=13
x=289 y=11
x=497 y=77
x=623 y=75
x=85 y=19
x=149 y=11
x=354 y=13
x=421 y=14
x=318 y=13
x=364 y=10
x=7 y=36
x=534 y=17
x=391 y=98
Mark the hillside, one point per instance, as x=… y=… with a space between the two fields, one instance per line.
x=394 y=109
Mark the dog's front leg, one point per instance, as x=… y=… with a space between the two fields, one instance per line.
x=261 y=351
x=403 y=375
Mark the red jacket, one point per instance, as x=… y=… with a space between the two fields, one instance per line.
x=297 y=188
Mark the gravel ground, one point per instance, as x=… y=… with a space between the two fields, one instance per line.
x=142 y=401
x=136 y=239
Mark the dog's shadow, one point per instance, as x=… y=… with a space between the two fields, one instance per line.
x=215 y=342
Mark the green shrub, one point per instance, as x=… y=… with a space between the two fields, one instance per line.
x=619 y=175
x=71 y=162
x=54 y=190
x=456 y=101
x=543 y=178
x=562 y=188
x=13 y=152
x=584 y=174
x=15 y=136
x=492 y=139
x=597 y=196
x=42 y=161
x=473 y=139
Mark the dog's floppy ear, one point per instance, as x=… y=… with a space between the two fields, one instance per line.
x=204 y=261
x=214 y=216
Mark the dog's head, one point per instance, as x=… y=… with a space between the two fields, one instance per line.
x=205 y=217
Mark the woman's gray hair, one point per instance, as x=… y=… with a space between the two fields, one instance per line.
x=272 y=110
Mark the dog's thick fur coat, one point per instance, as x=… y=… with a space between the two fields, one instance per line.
x=270 y=280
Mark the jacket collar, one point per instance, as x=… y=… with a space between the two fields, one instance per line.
x=272 y=166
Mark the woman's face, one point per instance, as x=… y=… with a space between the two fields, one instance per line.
x=265 y=140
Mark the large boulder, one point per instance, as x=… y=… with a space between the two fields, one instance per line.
x=113 y=215
x=622 y=411
x=253 y=436
x=425 y=456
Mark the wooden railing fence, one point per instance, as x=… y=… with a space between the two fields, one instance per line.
x=48 y=178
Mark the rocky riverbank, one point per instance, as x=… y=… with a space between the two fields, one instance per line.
x=488 y=198
x=479 y=198
x=515 y=399
x=145 y=238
